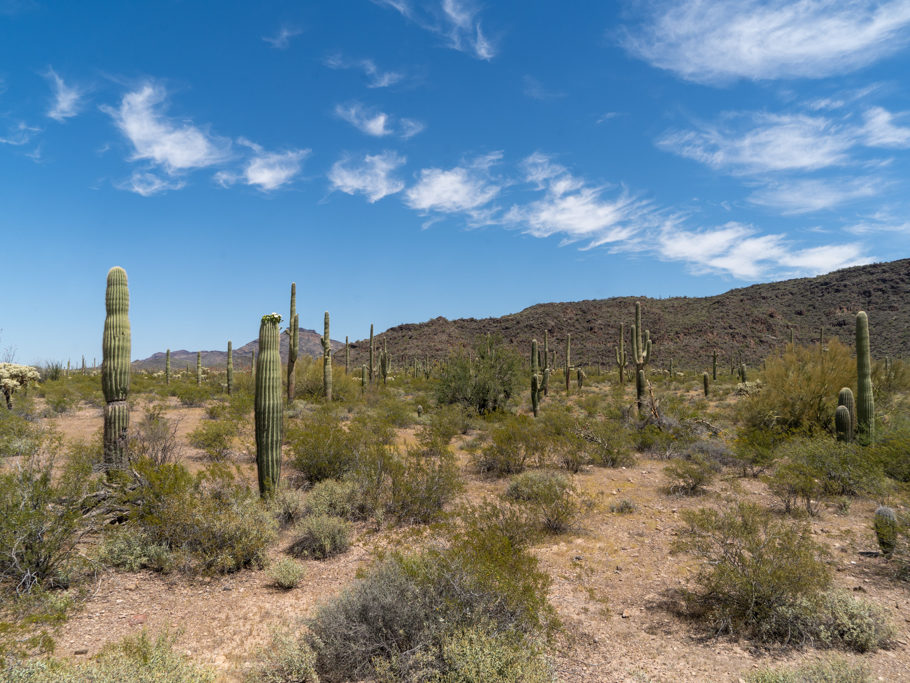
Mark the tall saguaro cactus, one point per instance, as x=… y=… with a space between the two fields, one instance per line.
x=363 y=378
x=535 y=379
x=268 y=406
x=327 y=361
x=371 y=353
x=198 y=368
x=230 y=369
x=865 y=402
x=115 y=368
x=714 y=365
x=546 y=363
x=347 y=356
x=293 y=343
x=621 y=357
x=568 y=362
x=641 y=355
x=167 y=367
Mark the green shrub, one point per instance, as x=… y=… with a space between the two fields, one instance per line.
x=891 y=450
x=132 y=549
x=609 y=443
x=214 y=437
x=550 y=495
x=155 y=437
x=834 y=670
x=191 y=394
x=509 y=521
x=288 y=505
x=689 y=476
x=333 y=497
x=513 y=445
x=286 y=659
x=322 y=448
x=756 y=449
x=286 y=573
x=211 y=522
x=321 y=536
x=135 y=659
x=484 y=381
x=479 y=654
x=799 y=389
x=623 y=507
x=765 y=578
x=422 y=481
x=19 y=437
x=443 y=424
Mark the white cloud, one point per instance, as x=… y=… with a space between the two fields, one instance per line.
x=177 y=146
x=464 y=188
x=373 y=177
x=148 y=184
x=737 y=250
x=717 y=41
x=377 y=123
x=20 y=134
x=282 y=39
x=536 y=90
x=376 y=77
x=881 y=131
x=768 y=142
x=66 y=98
x=814 y=194
x=577 y=211
x=455 y=20
x=880 y=221
x=266 y=170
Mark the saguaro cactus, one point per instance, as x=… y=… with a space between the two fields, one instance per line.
x=714 y=365
x=641 y=355
x=843 y=424
x=167 y=367
x=230 y=369
x=293 y=343
x=568 y=361
x=268 y=406
x=580 y=377
x=704 y=381
x=198 y=368
x=371 y=353
x=327 y=360
x=535 y=379
x=347 y=357
x=865 y=403
x=886 y=529
x=546 y=363
x=115 y=368
x=621 y=357
x=363 y=378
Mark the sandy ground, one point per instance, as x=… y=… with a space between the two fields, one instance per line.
x=611 y=578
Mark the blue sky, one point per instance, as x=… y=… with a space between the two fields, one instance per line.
x=401 y=160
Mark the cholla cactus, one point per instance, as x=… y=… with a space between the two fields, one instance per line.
x=14 y=377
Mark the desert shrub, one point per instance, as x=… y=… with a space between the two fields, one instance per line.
x=393 y=622
x=689 y=476
x=623 y=507
x=608 y=442
x=484 y=381
x=333 y=497
x=40 y=522
x=756 y=449
x=833 y=670
x=214 y=437
x=286 y=573
x=891 y=450
x=320 y=537
x=288 y=658
x=210 y=522
x=890 y=380
x=797 y=487
x=551 y=496
x=443 y=424
x=765 y=578
x=799 y=389
x=510 y=521
x=322 y=448
x=59 y=396
x=422 y=481
x=478 y=654
x=133 y=549
x=135 y=659
x=155 y=437
x=662 y=440
x=514 y=444
x=19 y=436
x=288 y=505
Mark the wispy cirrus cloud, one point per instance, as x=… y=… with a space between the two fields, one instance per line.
x=265 y=170
x=880 y=129
x=717 y=42
x=282 y=39
x=176 y=146
x=456 y=21
x=805 y=195
x=534 y=89
x=147 y=184
x=372 y=177
x=67 y=98
x=19 y=134
x=740 y=251
x=466 y=188
x=376 y=77
x=376 y=123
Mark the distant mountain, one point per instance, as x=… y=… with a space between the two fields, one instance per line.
x=310 y=344
x=750 y=321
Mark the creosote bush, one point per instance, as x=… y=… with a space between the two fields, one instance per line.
x=321 y=536
x=514 y=445
x=286 y=573
x=833 y=670
x=155 y=437
x=550 y=496
x=485 y=380
x=689 y=476
x=764 y=578
x=215 y=437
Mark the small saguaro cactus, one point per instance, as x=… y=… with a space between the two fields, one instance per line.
x=268 y=406
x=865 y=403
x=535 y=379
x=293 y=344
x=886 y=529
x=198 y=368
x=230 y=369
x=167 y=367
x=714 y=365
x=742 y=373
x=545 y=385
x=371 y=353
x=327 y=360
x=83 y=365
x=568 y=361
x=580 y=378
x=115 y=369
x=704 y=381
x=363 y=378
x=845 y=398
x=843 y=424
x=670 y=370
x=347 y=357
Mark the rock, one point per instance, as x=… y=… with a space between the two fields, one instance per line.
x=80 y=652
x=626 y=614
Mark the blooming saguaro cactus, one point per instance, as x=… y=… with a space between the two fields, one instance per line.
x=14 y=377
